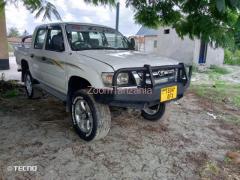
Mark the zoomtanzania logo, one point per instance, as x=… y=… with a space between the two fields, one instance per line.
x=22 y=168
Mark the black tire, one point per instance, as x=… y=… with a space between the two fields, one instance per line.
x=28 y=87
x=100 y=116
x=159 y=111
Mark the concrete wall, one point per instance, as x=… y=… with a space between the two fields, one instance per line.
x=170 y=45
x=214 y=55
x=183 y=50
x=147 y=45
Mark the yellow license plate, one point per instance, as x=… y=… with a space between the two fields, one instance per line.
x=168 y=93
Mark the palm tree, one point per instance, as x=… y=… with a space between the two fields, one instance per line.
x=41 y=7
x=47 y=9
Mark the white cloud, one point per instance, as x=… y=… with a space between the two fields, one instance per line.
x=81 y=5
x=74 y=10
x=60 y=4
x=101 y=13
x=69 y=17
x=87 y=19
x=16 y=16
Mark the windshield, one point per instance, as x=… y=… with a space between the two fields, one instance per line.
x=83 y=37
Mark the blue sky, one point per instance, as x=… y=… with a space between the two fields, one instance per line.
x=76 y=11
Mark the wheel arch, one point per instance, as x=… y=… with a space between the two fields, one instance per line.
x=76 y=83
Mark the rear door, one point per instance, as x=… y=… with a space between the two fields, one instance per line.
x=36 y=52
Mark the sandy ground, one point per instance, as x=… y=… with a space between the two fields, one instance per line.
x=184 y=146
x=190 y=143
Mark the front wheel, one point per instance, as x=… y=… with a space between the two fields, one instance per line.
x=154 y=113
x=91 y=120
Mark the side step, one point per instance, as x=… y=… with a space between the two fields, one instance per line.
x=52 y=91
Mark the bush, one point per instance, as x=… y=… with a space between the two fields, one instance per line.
x=232 y=57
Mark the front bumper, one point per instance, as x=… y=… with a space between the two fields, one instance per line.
x=145 y=94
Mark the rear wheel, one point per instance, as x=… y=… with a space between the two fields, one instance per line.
x=28 y=82
x=91 y=120
x=154 y=113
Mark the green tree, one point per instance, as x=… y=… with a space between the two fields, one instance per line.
x=13 y=32
x=214 y=21
x=39 y=7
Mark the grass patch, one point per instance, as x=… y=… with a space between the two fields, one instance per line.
x=195 y=68
x=215 y=72
x=9 y=89
x=210 y=169
x=218 y=70
x=227 y=160
x=232 y=119
x=11 y=93
x=219 y=92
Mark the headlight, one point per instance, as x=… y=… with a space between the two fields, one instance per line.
x=107 y=79
x=123 y=79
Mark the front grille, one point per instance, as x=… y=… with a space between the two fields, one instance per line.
x=159 y=76
x=163 y=76
x=151 y=76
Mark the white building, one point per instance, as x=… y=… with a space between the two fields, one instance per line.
x=166 y=42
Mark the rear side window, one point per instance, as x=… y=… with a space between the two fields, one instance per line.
x=40 y=37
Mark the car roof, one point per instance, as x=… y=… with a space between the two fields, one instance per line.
x=74 y=23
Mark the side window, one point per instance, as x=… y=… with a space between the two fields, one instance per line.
x=75 y=37
x=54 y=40
x=39 y=40
x=155 y=43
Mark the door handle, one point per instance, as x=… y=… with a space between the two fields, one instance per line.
x=32 y=55
x=44 y=58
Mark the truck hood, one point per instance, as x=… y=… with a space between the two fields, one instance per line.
x=121 y=59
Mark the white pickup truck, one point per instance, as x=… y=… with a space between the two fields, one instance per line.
x=91 y=67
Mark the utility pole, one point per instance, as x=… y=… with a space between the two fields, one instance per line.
x=117 y=15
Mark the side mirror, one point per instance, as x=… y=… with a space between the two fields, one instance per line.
x=132 y=43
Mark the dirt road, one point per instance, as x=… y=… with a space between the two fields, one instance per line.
x=190 y=144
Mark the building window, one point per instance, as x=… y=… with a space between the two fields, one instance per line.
x=166 y=31
x=155 y=44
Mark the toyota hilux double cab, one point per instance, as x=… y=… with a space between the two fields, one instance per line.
x=91 y=67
